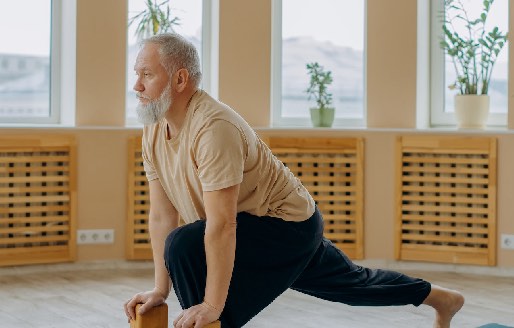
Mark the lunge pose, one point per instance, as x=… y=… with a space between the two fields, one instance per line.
x=252 y=229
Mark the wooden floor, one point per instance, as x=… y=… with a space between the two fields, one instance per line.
x=93 y=298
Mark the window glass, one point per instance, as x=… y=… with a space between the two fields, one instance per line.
x=189 y=14
x=330 y=32
x=498 y=16
x=25 y=70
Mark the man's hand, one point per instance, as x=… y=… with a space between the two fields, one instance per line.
x=149 y=300
x=196 y=316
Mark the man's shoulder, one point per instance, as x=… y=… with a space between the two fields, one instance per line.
x=207 y=106
x=208 y=111
x=151 y=132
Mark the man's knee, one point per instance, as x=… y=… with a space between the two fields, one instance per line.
x=184 y=242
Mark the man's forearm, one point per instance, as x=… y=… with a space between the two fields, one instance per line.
x=159 y=230
x=220 y=248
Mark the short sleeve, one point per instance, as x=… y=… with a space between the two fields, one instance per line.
x=219 y=152
x=151 y=174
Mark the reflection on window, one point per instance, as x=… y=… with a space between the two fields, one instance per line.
x=25 y=81
x=189 y=13
x=330 y=32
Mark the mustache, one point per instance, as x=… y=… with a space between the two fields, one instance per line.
x=140 y=95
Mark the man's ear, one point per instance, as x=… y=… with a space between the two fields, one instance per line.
x=181 y=79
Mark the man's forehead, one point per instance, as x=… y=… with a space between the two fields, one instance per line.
x=147 y=58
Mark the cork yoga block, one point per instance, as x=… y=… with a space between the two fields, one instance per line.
x=215 y=324
x=157 y=317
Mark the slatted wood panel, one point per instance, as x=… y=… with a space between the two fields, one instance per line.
x=332 y=171
x=138 y=245
x=446 y=192
x=37 y=199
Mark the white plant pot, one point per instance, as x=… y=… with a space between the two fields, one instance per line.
x=471 y=111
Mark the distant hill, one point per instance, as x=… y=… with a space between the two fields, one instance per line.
x=30 y=73
x=25 y=74
x=345 y=63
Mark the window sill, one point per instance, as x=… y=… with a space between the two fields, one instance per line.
x=337 y=129
x=24 y=126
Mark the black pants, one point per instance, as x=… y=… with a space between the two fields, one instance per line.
x=273 y=255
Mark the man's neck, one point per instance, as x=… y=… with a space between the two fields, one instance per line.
x=178 y=111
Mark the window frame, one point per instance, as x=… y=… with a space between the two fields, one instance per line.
x=438 y=116
x=277 y=120
x=55 y=72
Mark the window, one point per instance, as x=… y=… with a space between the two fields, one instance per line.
x=330 y=32
x=29 y=61
x=192 y=15
x=443 y=72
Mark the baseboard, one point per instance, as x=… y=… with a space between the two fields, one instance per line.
x=371 y=263
x=437 y=267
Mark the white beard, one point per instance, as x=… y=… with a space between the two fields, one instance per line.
x=155 y=110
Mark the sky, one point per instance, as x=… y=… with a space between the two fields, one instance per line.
x=343 y=24
x=25 y=27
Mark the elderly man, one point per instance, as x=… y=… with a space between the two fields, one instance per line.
x=252 y=230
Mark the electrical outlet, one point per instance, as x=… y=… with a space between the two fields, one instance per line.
x=507 y=241
x=95 y=236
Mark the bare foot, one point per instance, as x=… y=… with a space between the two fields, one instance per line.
x=446 y=303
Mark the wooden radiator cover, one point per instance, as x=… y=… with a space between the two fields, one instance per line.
x=332 y=169
x=37 y=199
x=446 y=193
x=138 y=245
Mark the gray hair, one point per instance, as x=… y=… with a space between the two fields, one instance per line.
x=175 y=53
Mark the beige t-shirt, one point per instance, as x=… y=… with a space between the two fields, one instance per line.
x=216 y=149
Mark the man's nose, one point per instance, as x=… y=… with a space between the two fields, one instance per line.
x=138 y=86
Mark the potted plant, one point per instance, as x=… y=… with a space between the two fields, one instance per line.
x=473 y=51
x=323 y=114
x=154 y=19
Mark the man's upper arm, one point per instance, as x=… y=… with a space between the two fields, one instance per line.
x=221 y=205
x=160 y=205
x=220 y=152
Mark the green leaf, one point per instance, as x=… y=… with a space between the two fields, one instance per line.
x=482 y=42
